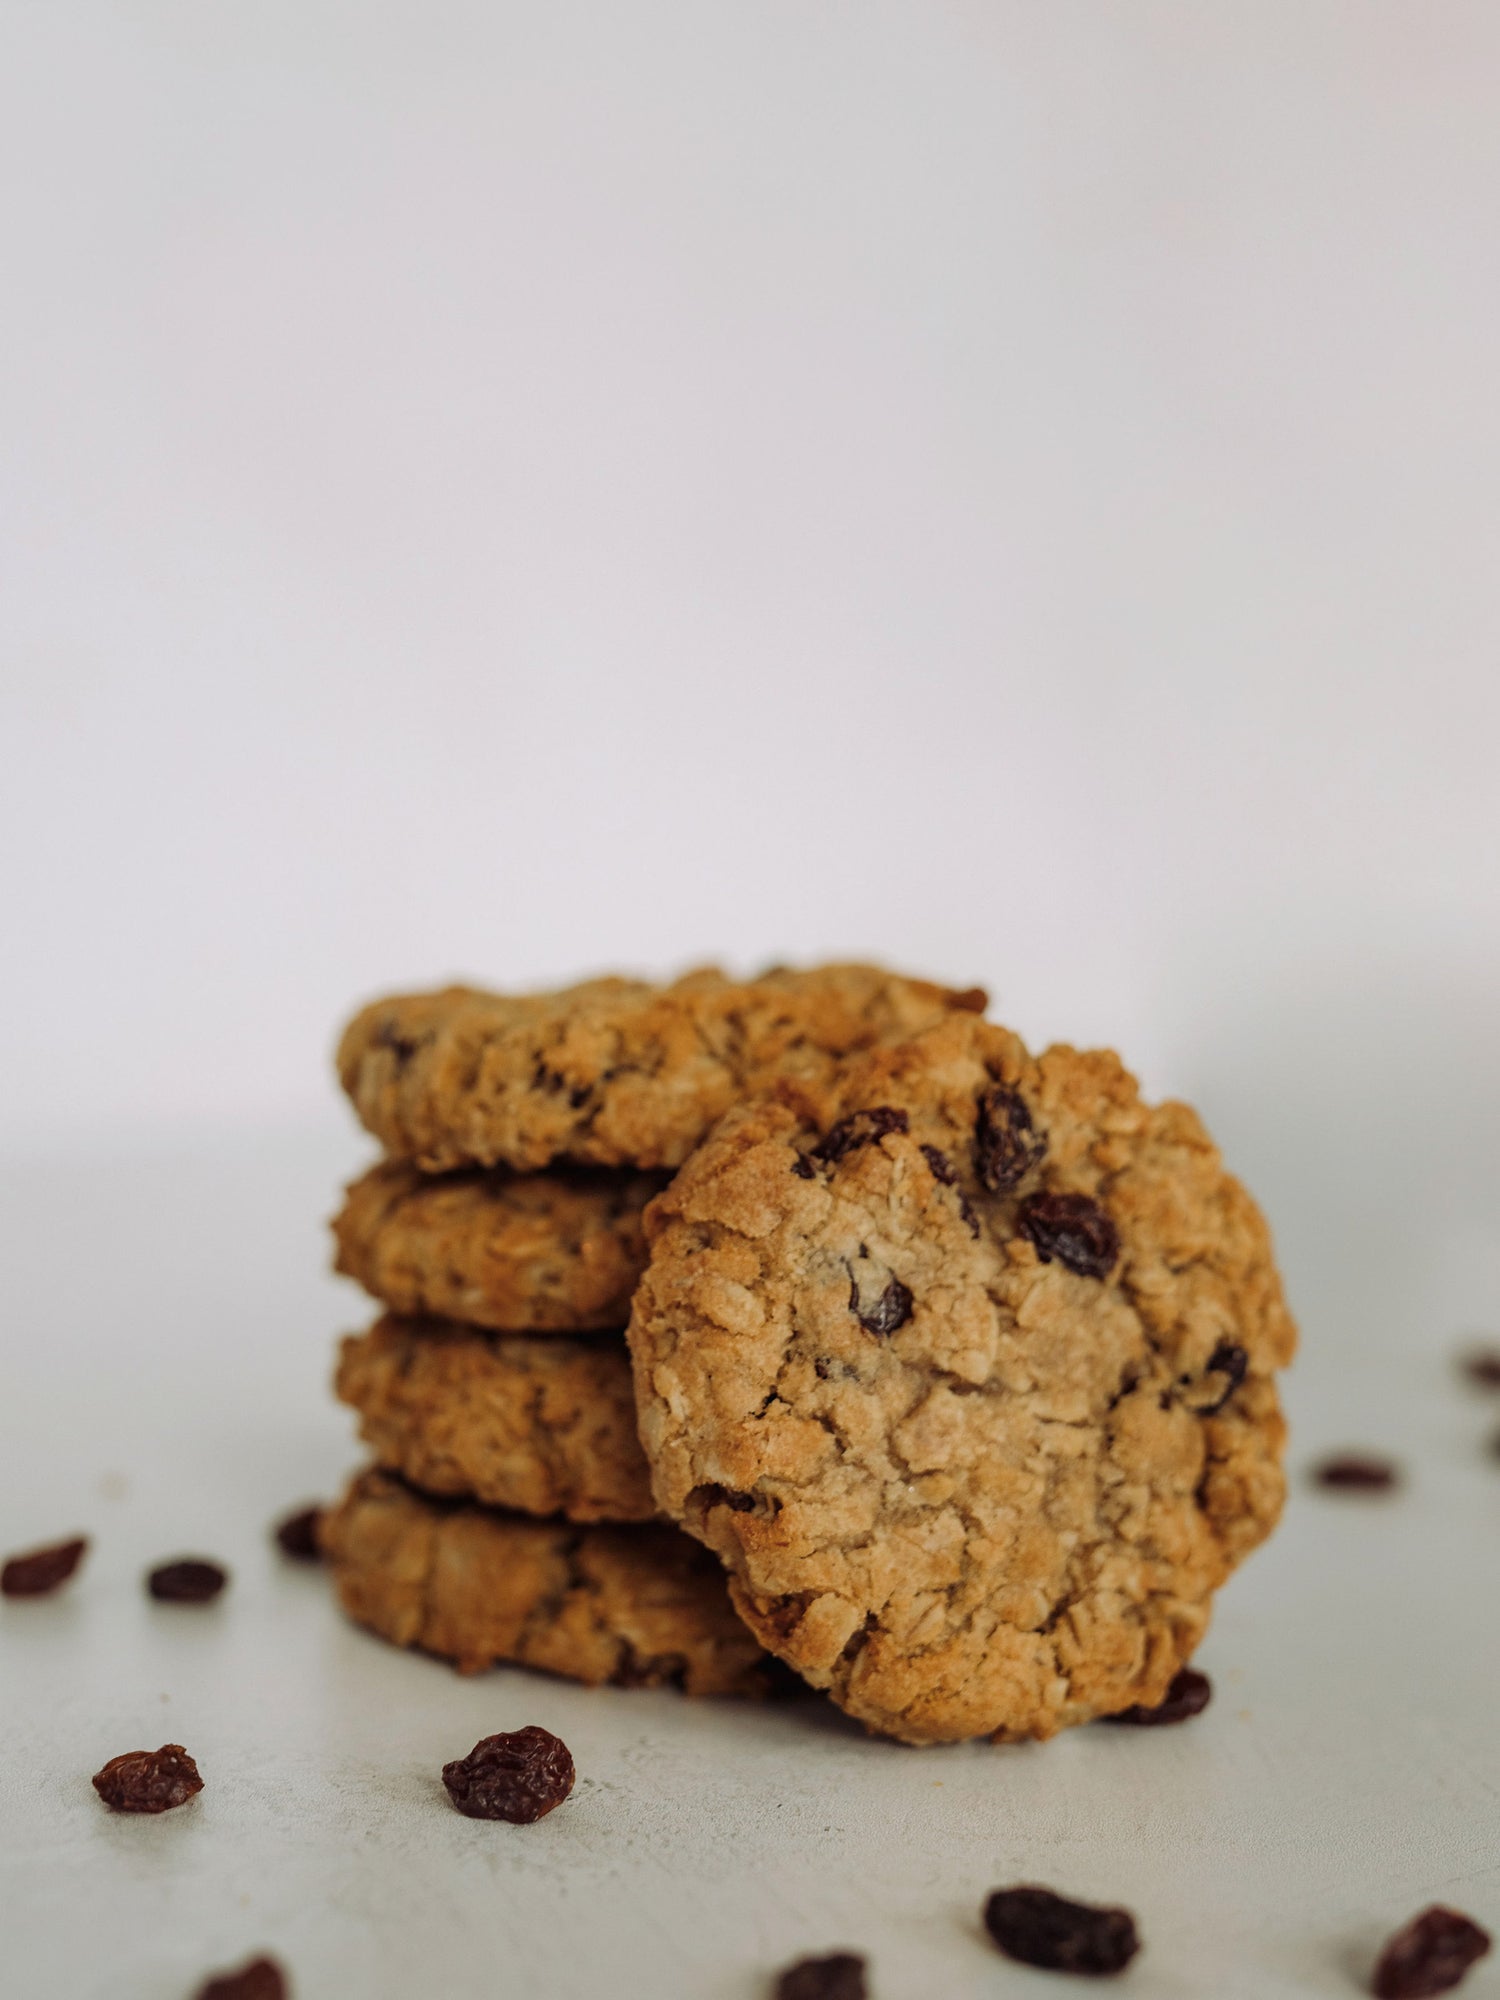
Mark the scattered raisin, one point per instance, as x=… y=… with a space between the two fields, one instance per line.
x=1483 y=1367
x=1356 y=1472
x=1006 y=1146
x=1430 y=1955
x=860 y=1128
x=41 y=1570
x=1041 y=1928
x=297 y=1535
x=148 y=1781
x=892 y=1309
x=261 y=1979
x=803 y=1168
x=517 y=1776
x=1230 y=1360
x=187 y=1582
x=1074 y=1229
x=840 y=1976
x=1189 y=1694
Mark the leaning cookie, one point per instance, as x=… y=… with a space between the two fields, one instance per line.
x=522 y=1253
x=638 y=1606
x=612 y=1072
x=543 y=1425
x=971 y=1392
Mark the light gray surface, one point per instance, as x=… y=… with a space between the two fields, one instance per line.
x=168 y=1334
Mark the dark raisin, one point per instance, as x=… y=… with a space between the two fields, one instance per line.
x=1231 y=1361
x=261 y=1979
x=519 y=1776
x=944 y=1170
x=41 y=1570
x=860 y=1128
x=1356 y=1472
x=1188 y=1695
x=892 y=1309
x=1483 y=1367
x=1074 y=1229
x=1041 y=1928
x=1430 y=1955
x=297 y=1535
x=402 y=1047
x=1006 y=1146
x=803 y=1168
x=148 y=1781
x=705 y=1497
x=187 y=1582
x=840 y=1976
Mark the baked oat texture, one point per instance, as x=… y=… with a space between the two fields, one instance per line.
x=522 y=1253
x=612 y=1072
x=972 y=1394
x=544 y=1425
x=639 y=1606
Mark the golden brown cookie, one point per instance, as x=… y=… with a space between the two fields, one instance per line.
x=639 y=1606
x=543 y=1425
x=523 y=1253
x=613 y=1072
x=973 y=1391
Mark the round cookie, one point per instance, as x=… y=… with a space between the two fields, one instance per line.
x=543 y=1425
x=971 y=1391
x=522 y=1253
x=612 y=1072
x=639 y=1606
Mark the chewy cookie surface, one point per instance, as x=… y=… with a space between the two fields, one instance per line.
x=521 y=1253
x=971 y=1392
x=638 y=1606
x=544 y=1425
x=612 y=1072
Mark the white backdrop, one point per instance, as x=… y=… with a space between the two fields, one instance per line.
x=514 y=491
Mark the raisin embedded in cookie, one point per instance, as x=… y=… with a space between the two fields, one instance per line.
x=545 y=1425
x=971 y=1390
x=522 y=1253
x=613 y=1072
x=640 y=1606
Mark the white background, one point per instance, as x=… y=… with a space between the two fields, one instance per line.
x=1010 y=490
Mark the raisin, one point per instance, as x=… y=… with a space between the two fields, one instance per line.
x=1356 y=1472
x=892 y=1309
x=840 y=1976
x=41 y=1570
x=148 y=1781
x=860 y=1128
x=1230 y=1360
x=297 y=1535
x=1430 y=1955
x=1188 y=1695
x=188 y=1582
x=1041 y=1928
x=803 y=1168
x=261 y=1979
x=1006 y=1146
x=1074 y=1229
x=519 y=1776
x=1483 y=1367
x=944 y=1170
x=402 y=1047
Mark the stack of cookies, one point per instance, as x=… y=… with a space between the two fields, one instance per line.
x=508 y=1515
x=955 y=1364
